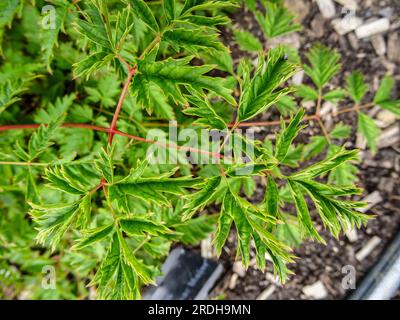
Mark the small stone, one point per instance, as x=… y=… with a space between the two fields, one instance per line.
x=368 y=248
x=253 y=262
x=206 y=248
x=372 y=28
x=386 y=184
x=308 y=104
x=346 y=25
x=353 y=41
x=374 y=111
x=386 y=12
x=389 y=137
x=299 y=7
x=266 y=293
x=327 y=107
x=351 y=234
x=317 y=26
x=372 y=200
x=293 y=40
x=383 y=164
x=233 y=281
x=271 y=278
x=327 y=8
x=394 y=47
x=361 y=142
x=389 y=66
x=379 y=44
x=298 y=78
x=386 y=117
x=239 y=268
x=316 y=291
x=395 y=25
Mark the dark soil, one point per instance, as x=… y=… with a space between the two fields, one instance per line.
x=377 y=173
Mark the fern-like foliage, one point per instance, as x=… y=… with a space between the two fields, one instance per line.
x=277 y=20
x=75 y=145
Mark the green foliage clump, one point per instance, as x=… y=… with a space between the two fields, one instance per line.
x=80 y=194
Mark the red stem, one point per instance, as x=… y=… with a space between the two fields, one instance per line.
x=114 y=132
x=119 y=105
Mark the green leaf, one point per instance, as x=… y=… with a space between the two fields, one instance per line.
x=204 y=21
x=192 y=40
x=85 y=207
x=383 y=96
x=356 y=86
x=91 y=63
x=263 y=90
x=31 y=193
x=307 y=227
x=198 y=200
x=222 y=59
x=289 y=231
x=8 y=10
x=142 y=226
x=108 y=267
x=196 y=229
x=197 y=5
x=316 y=145
x=224 y=227
x=392 y=106
x=125 y=284
x=344 y=174
x=105 y=93
x=287 y=105
x=384 y=92
x=94 y=27
x=50 y=36
x=169 y=9
x=341 y=131
x=9 y=91
x=307 y=93
x=251 y=224
x=249 y=186
x=336 y=214
x=60 y=180
x=335 y=95
x=369 y=129
x=324 y=64
x=129 y=287
x=20 y=152
x=105 y=165
x=142 y=270
x=171 y=74
x=251 y=5
x=341 y=156
x=278 y=20
x=289 y=133
x=56 y=110
x=40 y=140
x=54 y=221
x=243 y=227
x=247 y=41
x=272 y=197
x=143 y=11
x=206 y=114
x=153 y=98
x=92 y=236
x=123 y=27
x=294 y=156
x=150 y=189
